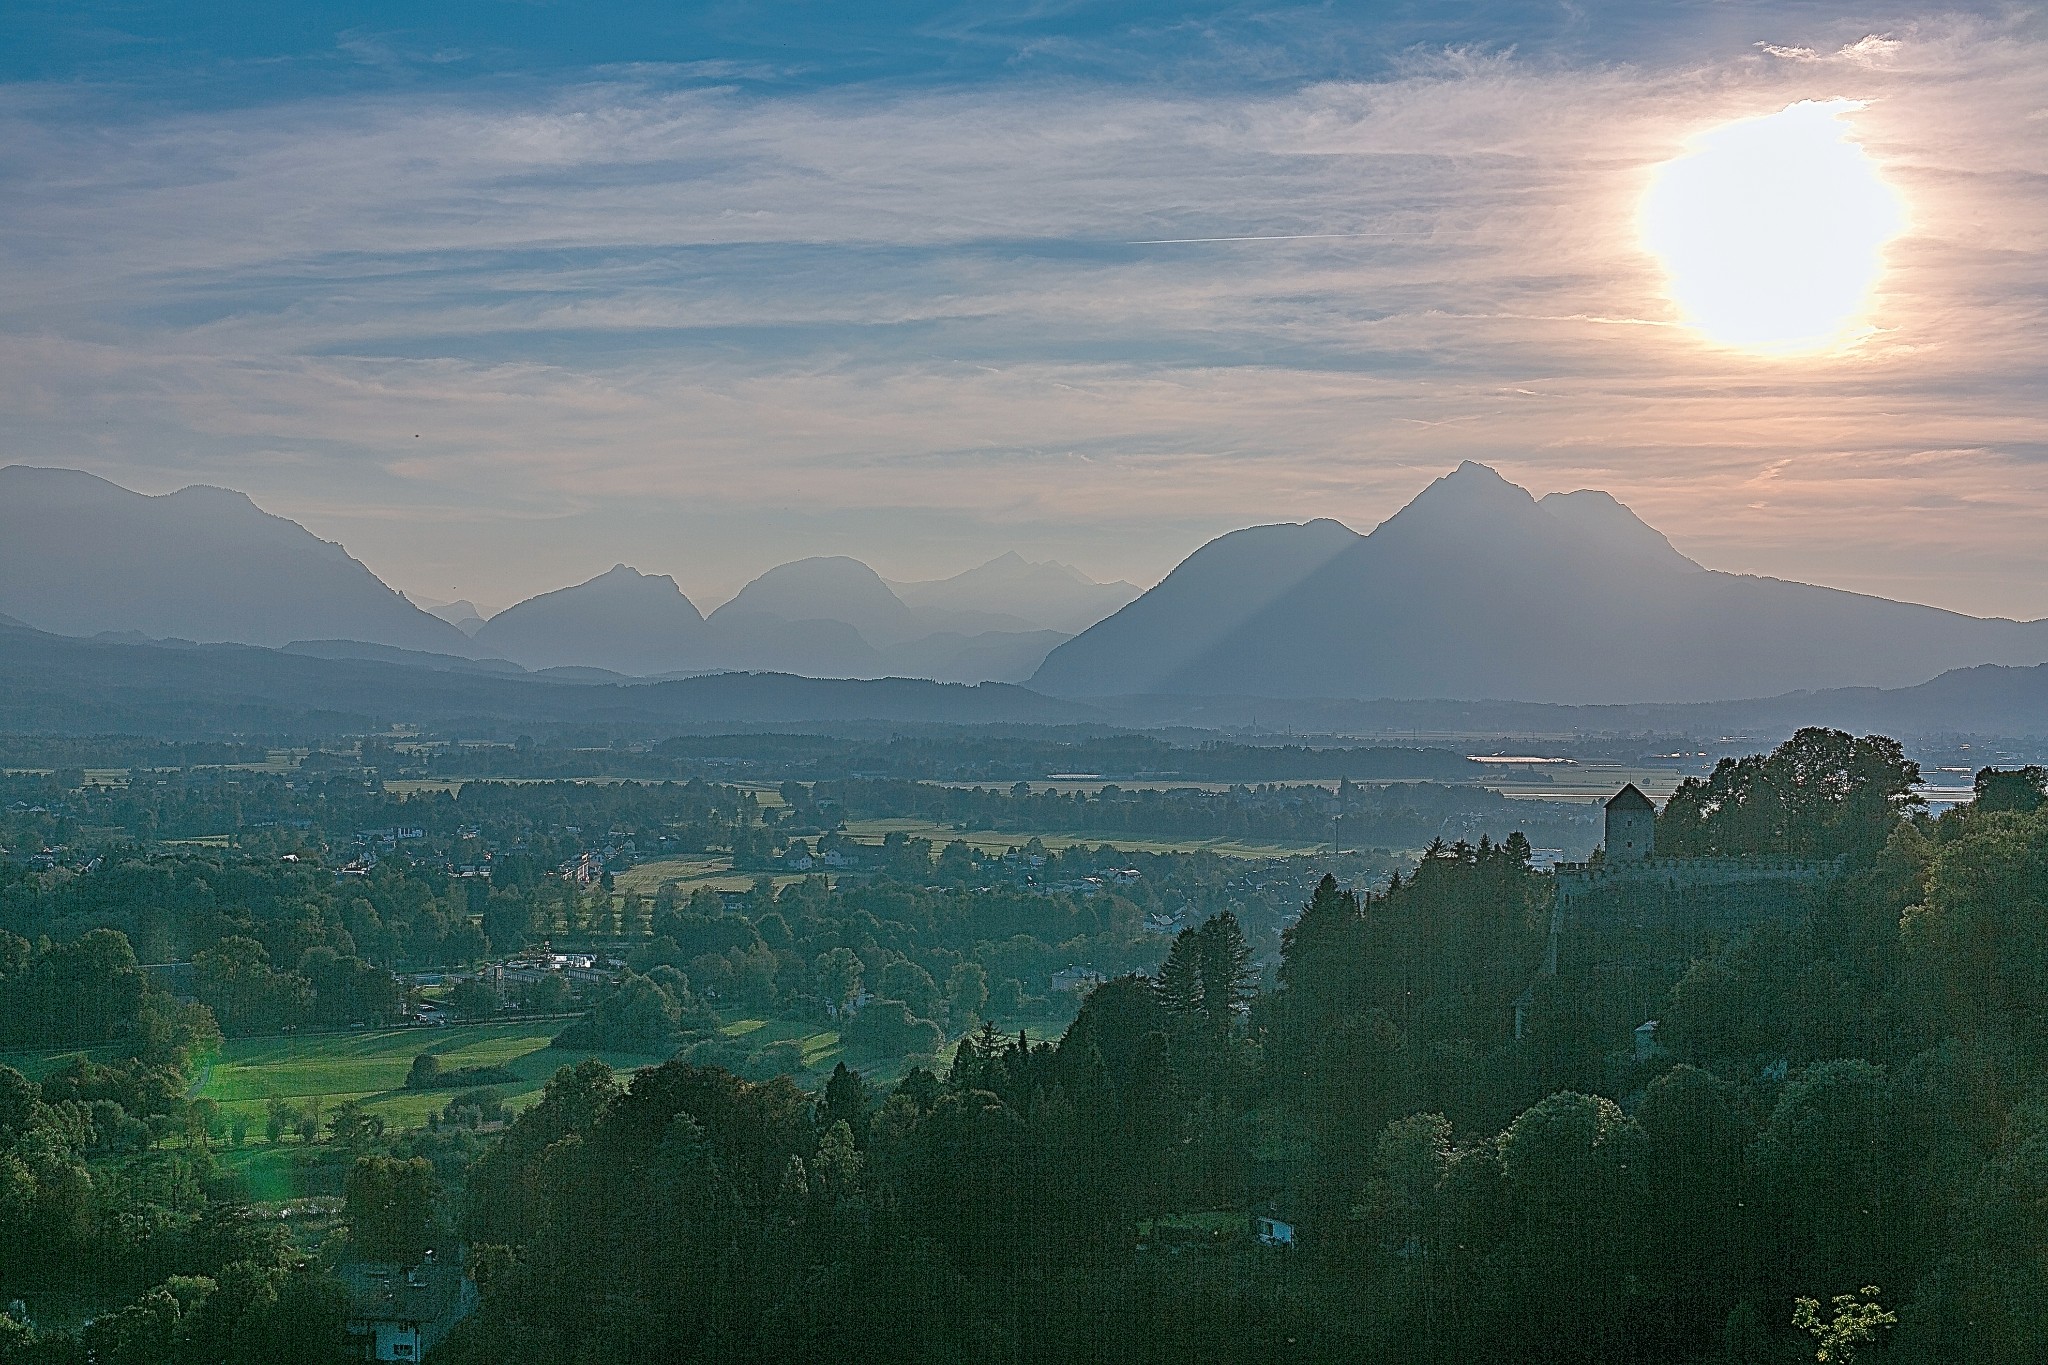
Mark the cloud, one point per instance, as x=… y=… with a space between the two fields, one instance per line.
x=1127 y=316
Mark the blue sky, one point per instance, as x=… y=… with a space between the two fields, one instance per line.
x=500 y=294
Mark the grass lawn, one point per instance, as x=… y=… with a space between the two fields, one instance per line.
x=822 y=1051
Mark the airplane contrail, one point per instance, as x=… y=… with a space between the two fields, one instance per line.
x=1286 y=237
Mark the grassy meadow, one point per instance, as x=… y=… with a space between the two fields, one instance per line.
x=321 y=1071
x=371 y=1066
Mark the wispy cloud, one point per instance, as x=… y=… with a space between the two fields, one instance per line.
x=1076 y=314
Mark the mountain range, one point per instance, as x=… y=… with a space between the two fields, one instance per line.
x=827 y=617
x=82 y=556
x=1478 y=590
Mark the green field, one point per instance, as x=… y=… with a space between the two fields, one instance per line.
x=992 y=841
x=324 y=1070
x=717 y=872
x=690 y=873
x=821 y=1046
x=371 y=1066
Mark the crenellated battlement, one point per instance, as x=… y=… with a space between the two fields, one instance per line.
x=1576 y=881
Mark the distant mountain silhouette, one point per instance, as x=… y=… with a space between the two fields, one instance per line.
x=461 y=613
x=829 y=588
x=622 y=620
x=1476 y=590
x=1216 y=591
x=1012 y=593
x=390 y=654
x=80 y=555
x=820 y=618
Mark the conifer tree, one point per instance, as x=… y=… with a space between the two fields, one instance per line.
x=1228 y=981
x=1180 y=979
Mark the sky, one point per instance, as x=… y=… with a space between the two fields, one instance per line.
x=501 y=293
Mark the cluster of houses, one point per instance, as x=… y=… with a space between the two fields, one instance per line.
x=40 y=859
x=1085 y=887
x=586 y=869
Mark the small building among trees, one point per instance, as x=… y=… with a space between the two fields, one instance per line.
x=401 y=1314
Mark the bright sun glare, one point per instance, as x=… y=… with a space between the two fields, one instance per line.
x=1773 y=229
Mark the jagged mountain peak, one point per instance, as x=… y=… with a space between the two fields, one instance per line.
x=625 y=576
x=1472 y=498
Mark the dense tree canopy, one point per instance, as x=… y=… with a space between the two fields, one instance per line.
x=1821 y=794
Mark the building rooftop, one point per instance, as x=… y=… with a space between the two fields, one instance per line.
x=1630 y=797
x=382 y=1292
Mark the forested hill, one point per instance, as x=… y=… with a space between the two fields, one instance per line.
x=55 y=684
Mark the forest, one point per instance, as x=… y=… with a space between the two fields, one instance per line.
x=1831 y=1150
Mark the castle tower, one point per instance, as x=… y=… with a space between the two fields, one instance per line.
x=1631 y=825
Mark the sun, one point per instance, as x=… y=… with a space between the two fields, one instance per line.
x=1772 y=230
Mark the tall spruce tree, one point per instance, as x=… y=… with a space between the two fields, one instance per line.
x=1228 y=979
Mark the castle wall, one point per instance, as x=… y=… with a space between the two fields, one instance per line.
x=1576 y=882
x=1625 y=930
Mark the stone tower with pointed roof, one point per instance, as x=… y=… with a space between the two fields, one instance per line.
x=1631 y=825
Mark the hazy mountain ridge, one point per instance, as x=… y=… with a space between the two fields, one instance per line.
x=461 y=613
x=80 y=555
x=828 y=588
x=83 y=557
x=54 y=684
x=622 y=620
x=829 y=618
x=1013 y=593
x=1476 y=590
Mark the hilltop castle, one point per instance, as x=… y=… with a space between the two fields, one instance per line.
x=1628 y=859
x=1629 y=894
